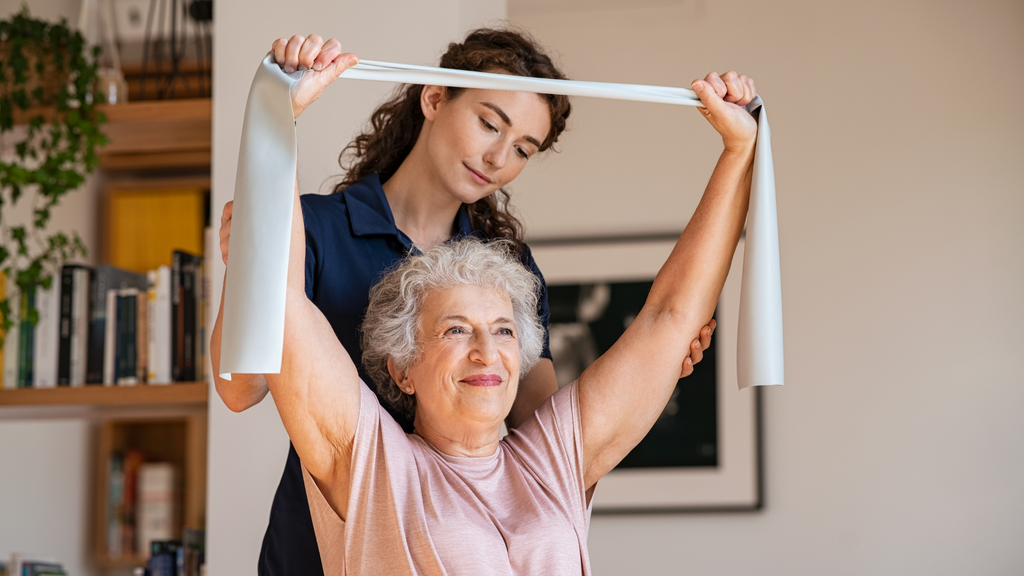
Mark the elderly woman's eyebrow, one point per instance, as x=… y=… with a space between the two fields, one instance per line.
x=504 y=117
x=461 y=318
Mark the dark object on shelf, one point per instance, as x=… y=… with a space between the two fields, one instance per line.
x=105 y=278
x=170 y=65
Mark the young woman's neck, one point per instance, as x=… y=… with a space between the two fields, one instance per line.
x=422 y=207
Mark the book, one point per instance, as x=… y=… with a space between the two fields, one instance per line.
x=157 y=497
x=163 y=558
x=26 y=339
x=142 y=333
x=184 y=270
x=80 y=320
x=129 y=509
x=104 y=278
x=11 y=338
x=193 y=556
x=47 y=337
x=67 y=287
x=125 y=353
x=159 y=342
x=26 y=565
x=73 y=325
x=110 y=338
x=115 y=504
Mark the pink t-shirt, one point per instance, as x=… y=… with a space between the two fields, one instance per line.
x=414 y=510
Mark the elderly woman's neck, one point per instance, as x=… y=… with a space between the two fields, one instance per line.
x=461 y=441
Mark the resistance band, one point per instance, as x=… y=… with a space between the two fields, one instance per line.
x=254 y=302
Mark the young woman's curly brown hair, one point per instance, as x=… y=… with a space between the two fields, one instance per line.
x=395 y=125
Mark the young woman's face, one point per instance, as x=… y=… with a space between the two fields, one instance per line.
x=481 y=140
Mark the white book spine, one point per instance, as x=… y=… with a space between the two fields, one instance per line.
x=11 y=338
x=161 y=322
x=47 y=338
x=110 y=339
x=79 y=326
x=157 y=493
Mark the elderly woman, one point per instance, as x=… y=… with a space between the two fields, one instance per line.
x=446 y=338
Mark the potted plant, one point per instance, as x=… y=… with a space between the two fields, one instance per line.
x=47 y=72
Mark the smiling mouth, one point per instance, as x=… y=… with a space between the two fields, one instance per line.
x=484 y=380
x=480 y=178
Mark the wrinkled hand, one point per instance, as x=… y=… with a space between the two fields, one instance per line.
x=724 y=98
x=697 y=348
x=324 y=60
x=225 y=231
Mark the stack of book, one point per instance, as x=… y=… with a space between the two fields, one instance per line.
x=106 y=325
x=142 y=504
x=184 y=557
x=23 y=565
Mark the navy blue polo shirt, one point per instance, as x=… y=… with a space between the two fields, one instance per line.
x=351 y=242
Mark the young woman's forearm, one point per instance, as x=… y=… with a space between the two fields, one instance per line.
x=243 y=390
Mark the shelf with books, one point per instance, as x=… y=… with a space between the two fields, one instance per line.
x=150 y=486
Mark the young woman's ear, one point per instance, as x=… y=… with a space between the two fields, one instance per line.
x=430 y=99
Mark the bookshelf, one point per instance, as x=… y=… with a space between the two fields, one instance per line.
x=153 y=145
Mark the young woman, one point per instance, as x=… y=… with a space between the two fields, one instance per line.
x=430 y=167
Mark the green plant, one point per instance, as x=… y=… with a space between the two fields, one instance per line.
x=46 y=76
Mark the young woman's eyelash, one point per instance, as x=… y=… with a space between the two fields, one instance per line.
x=488 y=125
x=523 y=153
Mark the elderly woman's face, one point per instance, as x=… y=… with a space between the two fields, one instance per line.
x=468 y=369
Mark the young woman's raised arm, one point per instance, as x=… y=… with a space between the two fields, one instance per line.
x=624 y=391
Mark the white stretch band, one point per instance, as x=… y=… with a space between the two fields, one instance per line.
x=254 y=300
x=409 y=74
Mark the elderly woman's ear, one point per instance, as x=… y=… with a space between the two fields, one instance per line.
x=399 y=377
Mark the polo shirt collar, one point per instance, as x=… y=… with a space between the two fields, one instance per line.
x=369 y=211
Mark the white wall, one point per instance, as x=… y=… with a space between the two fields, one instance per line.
x=895 y=447
x=248 y=450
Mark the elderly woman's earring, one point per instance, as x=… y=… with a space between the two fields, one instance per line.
x=409 y=390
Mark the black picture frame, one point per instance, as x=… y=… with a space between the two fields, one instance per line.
x=734 y=481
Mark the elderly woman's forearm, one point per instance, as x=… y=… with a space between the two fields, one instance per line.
x=689 y=283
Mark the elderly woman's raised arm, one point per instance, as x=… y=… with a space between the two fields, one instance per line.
x=317 y=392
x=623 y=392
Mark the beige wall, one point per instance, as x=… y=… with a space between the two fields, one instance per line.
x=895 y=447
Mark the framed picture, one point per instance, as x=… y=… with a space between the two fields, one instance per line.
x=704 y=452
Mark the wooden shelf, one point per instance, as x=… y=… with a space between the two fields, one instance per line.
x=157 y=134
x=96 y=395
x=152 y=134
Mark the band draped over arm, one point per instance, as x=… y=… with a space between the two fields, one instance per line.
x=255 y=287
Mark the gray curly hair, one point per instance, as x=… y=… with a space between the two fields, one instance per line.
x=392 y=324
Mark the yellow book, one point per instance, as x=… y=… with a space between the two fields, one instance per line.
x=144 y=226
